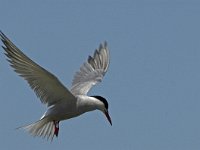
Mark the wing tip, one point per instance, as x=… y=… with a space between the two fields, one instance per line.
x=103 y=45
x=2 y=36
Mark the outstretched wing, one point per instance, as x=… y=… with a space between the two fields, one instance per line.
x=92 y=71
x=46 y=86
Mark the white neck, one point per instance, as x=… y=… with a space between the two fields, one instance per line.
x=87 y=103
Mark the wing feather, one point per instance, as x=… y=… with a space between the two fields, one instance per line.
x=46 y=86
x=92 y=71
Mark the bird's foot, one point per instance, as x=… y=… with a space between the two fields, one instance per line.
x=56 y=127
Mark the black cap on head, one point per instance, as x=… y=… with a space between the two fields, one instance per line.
x=103 y=100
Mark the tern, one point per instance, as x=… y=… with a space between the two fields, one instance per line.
x=62 y=103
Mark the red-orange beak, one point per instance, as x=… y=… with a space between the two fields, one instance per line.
x=108 y=117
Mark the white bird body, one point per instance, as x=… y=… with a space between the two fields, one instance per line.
x=63 y=111
x=61 y=103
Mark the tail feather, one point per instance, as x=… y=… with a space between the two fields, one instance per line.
x=42 y=128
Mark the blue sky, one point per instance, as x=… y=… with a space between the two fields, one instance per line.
x=152 y=84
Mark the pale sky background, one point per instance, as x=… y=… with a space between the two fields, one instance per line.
x=152 y=85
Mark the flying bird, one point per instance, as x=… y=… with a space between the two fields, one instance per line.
x=62 y=103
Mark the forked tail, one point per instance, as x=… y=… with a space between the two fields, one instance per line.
x=43 y=128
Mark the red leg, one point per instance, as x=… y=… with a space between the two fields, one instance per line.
x=56 y=127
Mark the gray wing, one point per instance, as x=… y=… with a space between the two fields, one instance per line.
x=46 y=86
x=92 y=71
